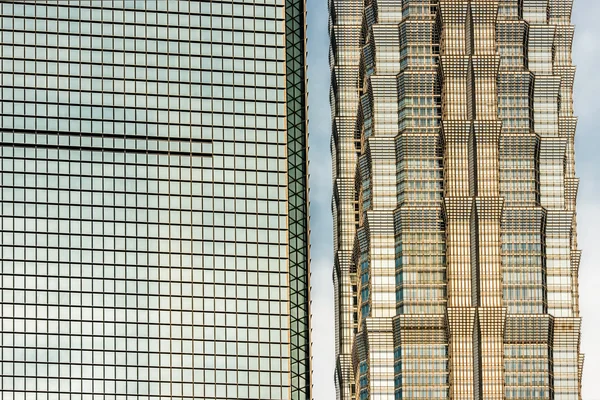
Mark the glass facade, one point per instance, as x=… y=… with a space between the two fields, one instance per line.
x=153 y=200
x=456 y=256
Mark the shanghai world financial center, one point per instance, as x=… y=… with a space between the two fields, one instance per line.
x=154 y=211
x=154 y=200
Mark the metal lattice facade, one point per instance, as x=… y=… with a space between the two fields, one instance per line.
x=298 y=217
x=456 y=258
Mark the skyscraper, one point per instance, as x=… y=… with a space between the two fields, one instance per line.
x=456 y=257
x=153 y=200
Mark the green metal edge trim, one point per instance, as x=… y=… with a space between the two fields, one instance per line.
x=299 y=257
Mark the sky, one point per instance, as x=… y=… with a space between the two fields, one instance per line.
x=586 y=56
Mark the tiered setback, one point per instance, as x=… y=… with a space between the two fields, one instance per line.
x=345 y=27
x=464 y=266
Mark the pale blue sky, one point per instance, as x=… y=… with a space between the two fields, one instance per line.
x=586 y=17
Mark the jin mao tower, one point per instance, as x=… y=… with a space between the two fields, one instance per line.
x=456 y=257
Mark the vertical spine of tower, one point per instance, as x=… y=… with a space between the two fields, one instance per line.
x=458 y=201
x=419 y=327
x=486 y=265
x=473 y=206
x=345 y=18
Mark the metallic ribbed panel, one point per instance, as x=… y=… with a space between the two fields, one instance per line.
x=476 y=96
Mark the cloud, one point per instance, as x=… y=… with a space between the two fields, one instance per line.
x=323 y=350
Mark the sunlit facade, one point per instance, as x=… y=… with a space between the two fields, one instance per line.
x=456 y=258
x=153 y=200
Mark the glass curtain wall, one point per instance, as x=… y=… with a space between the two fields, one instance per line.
x=144 y=201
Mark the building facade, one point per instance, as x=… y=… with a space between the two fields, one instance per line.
x=456 y=258
x=154 y=211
